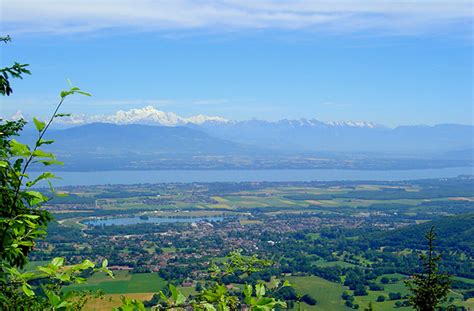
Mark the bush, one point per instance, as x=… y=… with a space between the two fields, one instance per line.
x=360 y=291
x=375 y=287
x=394 y=296
x=309 y=300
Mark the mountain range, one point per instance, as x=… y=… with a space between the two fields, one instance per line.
x=148 y=131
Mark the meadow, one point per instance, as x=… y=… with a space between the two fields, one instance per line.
x=123 y=282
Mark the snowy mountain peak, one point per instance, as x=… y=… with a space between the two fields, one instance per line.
x=354 y=124
x=148 y=115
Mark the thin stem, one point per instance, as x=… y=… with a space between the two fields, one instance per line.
x=30 y=158
x=37 y=144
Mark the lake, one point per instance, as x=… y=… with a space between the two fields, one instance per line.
x=187 y=176
x=154 y=220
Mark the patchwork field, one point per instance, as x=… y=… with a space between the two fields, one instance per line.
x=256 y=210
x=124 y=282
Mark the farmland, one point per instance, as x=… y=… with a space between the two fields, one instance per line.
x=123 y=283
x=347 y=244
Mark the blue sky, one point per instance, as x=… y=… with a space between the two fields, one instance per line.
x=393 y=65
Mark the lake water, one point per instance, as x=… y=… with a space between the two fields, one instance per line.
x=187 y=176
x=154 y=220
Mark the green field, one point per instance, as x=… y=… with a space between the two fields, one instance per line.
x=124 y=282
x=328 y=294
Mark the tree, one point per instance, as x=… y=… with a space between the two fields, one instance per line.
x=23 y=221
x=430 y=287
x=394 y=296
x=308 y=299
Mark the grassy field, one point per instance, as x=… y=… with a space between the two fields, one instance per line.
x=123 y=283
x=110 y=301
x=328 y=294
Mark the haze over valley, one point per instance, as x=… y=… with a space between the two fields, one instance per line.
x=150 y=138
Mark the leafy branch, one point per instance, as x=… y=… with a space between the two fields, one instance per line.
x=17 y=70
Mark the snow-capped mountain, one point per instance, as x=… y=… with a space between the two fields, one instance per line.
x=293 y=135
x=151 y=116
x=148 y=116
x=317 y=123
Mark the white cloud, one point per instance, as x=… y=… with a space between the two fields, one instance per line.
x=83 y=16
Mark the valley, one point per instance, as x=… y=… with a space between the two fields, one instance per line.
x=346 y=244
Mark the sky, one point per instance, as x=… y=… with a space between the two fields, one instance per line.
x=388 y=62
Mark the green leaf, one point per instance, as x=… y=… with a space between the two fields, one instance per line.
x=58 y=262
x=181 y=299
x=64 y=277
x=26 y=243
x=3 y=164
x=50 y=162
x=248 y=290
x=265 y=301
x=105 y=263
x=19 y=149
x=86 y=264
x=35 y=197
x=260 y=290
x=27 y=290
x=208 y=307
x=46 y=270
x=163 y=296
x=72 y=90
x=43 y=154
x=53 y=298
x=30 y=216
x=174 y=292
x=45 y=175
x=40 y=125
x=45 y=142
x=83 y=93
x=64 y=94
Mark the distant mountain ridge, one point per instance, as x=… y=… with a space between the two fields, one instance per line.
x=152 y=116
x=153 y=131
x=313 y=135
x=106 y=138
x=145 y=116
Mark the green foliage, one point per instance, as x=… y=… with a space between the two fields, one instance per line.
x=259 y=302
x=218 y=297
x=431 y=287
x=17 y=70
x=42 y=288
x=23 y=221
x=130 y=305
x=237 y=263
